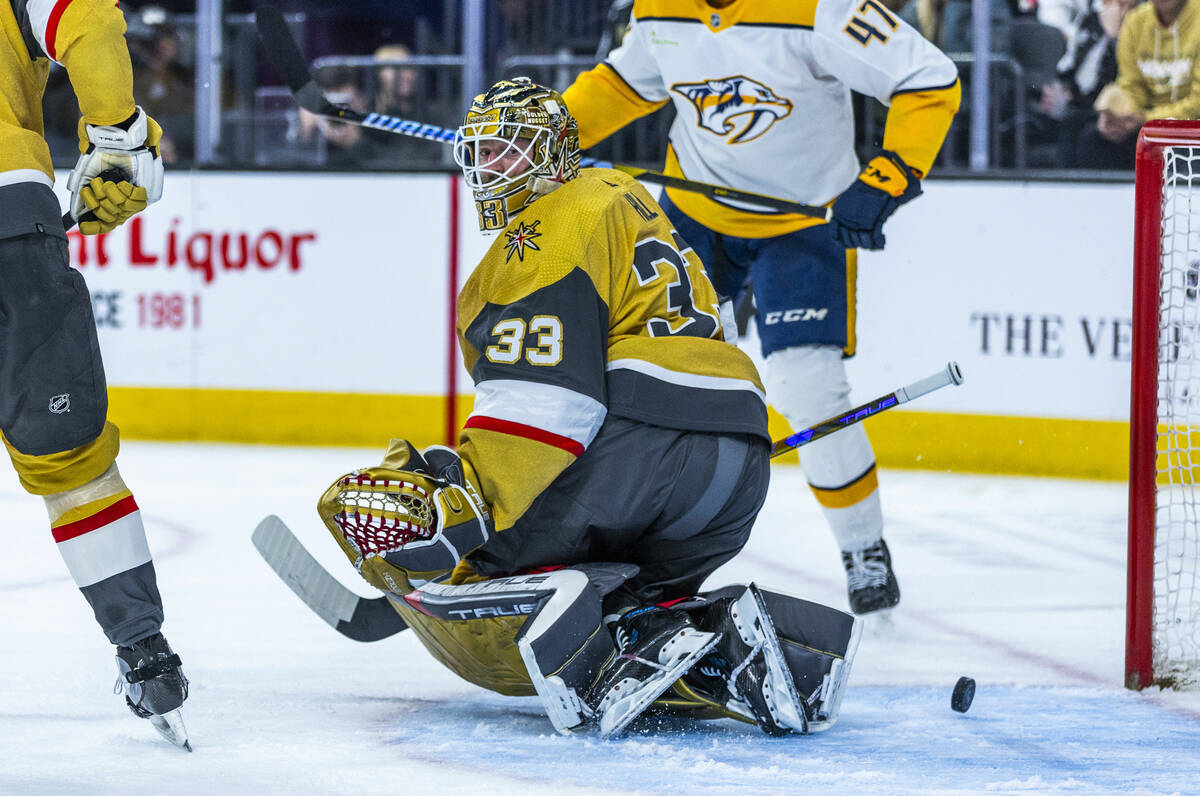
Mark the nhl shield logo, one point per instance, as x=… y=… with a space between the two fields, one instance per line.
x=60 y=403
x=719 y=102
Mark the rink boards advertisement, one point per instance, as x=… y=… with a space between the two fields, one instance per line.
x=316 y=309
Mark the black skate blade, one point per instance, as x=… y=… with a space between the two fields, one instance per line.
x=170 y=726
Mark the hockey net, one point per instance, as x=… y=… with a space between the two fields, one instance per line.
x=1163 y=606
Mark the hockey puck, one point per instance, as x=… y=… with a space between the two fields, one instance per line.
x=964 y=692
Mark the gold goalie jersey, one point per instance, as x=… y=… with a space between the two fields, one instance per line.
x=85 y=36
x=761 y=91
x=589 y=304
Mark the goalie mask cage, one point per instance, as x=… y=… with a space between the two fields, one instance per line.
x=1162 y=640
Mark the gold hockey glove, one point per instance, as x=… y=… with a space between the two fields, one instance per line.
x=130 y=149
x=406 y=521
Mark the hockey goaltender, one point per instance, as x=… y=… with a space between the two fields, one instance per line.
x=617 y=454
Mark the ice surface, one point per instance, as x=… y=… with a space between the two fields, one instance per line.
x=1019 y=583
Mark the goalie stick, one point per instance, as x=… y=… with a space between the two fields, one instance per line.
x=285 y=54
x=359 y=618
x=951 y=374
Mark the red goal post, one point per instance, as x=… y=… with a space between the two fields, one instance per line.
x=1162 y=629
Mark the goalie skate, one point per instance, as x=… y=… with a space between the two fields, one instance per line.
x=655 y=646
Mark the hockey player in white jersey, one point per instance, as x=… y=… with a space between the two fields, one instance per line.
x=761 y=90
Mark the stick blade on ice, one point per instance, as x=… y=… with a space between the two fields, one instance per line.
x=357 y=618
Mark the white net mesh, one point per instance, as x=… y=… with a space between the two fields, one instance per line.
x=1177 y=504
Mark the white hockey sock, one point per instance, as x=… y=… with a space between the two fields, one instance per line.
x=808 y=385
x=98 y=529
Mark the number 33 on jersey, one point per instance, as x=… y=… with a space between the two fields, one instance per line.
x=587 y=304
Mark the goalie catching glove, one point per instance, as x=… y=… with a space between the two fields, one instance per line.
x=858 y=214
x=410 y=519
x=130 y=148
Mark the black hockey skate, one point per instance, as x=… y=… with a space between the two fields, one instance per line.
x=746 y=672
x=154 y=685
x=870 y=581
x=655 y=646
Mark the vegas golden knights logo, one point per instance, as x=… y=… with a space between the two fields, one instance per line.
x=521 y=239
x=737 y=106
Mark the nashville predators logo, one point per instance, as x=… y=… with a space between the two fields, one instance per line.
x=520 y=239
x=719 y=102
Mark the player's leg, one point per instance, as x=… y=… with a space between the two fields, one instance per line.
x=712 y=487
x=53 y=404
x=719 y=491
x=537 y=633
x=751 y=670
x=717 y=485
x=676 y=504
x=805 y=288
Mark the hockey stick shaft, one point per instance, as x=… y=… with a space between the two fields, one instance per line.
x=708 y=189
x=69 y=221
x=951 y=374
x=358 y=618
x=112 y=174
x=284 y=53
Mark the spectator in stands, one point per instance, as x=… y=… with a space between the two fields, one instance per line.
x=396 y=95
x=1089 y=64
x=163 y=84
x=343 y=141
x=1158 y=77
x=1065 y=15
x=397 y=84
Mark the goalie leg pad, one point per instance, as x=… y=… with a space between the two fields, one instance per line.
x=819 y=644
x=564 y=647
x=816 y=646
x=540 y=633
x=760 y=675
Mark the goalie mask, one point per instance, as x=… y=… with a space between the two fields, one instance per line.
x=518 y=143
